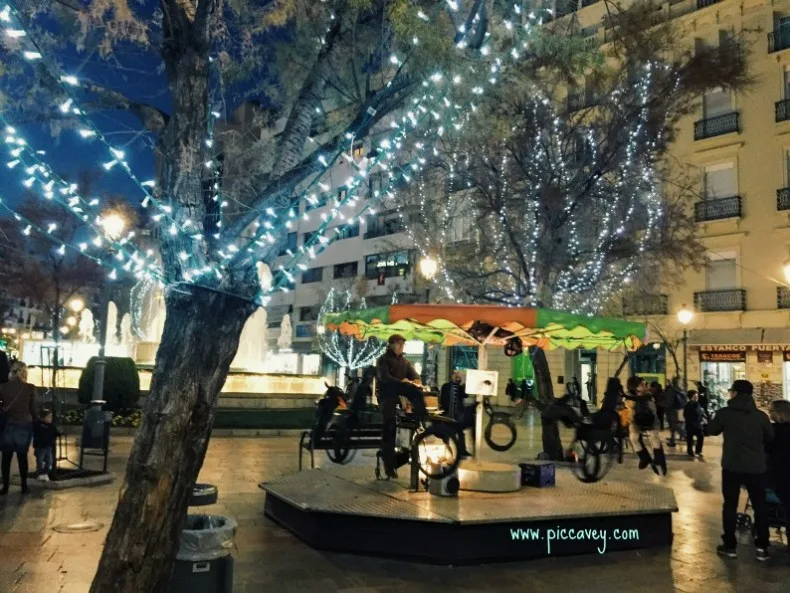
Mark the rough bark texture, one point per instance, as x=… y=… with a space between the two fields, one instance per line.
x=552 y=444
x=199 y=342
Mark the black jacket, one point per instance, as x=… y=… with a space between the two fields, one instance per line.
x=693 y=415
x=747 y=433
x=390 y=367
x=779 y=456
x=5 y=369
x=44 y=435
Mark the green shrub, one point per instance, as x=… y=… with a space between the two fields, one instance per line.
x=121 y=383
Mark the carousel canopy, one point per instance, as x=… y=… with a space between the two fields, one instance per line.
x=451 y=325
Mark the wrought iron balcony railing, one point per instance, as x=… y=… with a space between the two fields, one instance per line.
x=720 y=300
x=704 y=3
x=783 y=198
x=717 y=126
x=778 y=40
x=782 y=110
x=654 y=304
x=782 y=297
x=718 y=208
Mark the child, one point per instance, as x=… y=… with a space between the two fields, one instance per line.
x=694 y=415
x=44 y=435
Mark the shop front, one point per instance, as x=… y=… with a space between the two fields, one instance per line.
x=755 y=355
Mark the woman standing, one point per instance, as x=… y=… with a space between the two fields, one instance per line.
x=779 y=452
x=643 y=420
x=18 y=401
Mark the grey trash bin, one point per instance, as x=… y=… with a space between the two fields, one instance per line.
x=204 y=563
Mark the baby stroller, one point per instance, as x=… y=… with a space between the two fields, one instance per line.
x=775 y=509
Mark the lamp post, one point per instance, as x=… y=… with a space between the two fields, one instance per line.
x=685 y=315
x=428 y=269
x=114 y=225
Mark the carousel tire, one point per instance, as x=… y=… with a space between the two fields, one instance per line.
x=489 y=437
x=203 y=495
x=450 y=465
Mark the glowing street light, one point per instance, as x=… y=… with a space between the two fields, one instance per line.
x=428 y=267
x=71 y=321
x=113 y=224
x=77 y=305
x=685 y=315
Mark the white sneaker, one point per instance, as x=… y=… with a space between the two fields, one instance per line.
x=44 y=478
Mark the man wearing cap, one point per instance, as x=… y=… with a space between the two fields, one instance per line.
x=746 y=430
x=396 y=377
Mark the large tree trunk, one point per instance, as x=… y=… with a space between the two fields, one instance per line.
x=552 y=444
x=200 y=340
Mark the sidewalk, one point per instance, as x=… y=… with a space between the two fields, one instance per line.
x=36 y=559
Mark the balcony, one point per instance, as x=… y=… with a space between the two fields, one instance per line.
x=653 y=304
x=783 y=198
x=705 y=3
x=720 y=300
x=782 y=110
x=384 y=230
x=778 y=40
x=782 y=297
x=718 y=208
x=716 y=126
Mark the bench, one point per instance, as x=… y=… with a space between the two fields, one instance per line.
x=364 y=437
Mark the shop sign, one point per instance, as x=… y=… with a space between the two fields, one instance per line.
x=723 y=356
x=767 y=357
x=745 y=348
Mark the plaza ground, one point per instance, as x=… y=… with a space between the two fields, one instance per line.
x=34 y=558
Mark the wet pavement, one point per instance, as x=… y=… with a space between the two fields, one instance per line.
x=36 y=558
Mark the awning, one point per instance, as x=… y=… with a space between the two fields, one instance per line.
x=713 y=337
x=739 y=337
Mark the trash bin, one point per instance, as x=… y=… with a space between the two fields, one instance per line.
x=204 y=563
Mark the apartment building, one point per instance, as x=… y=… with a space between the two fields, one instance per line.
x=739 y=147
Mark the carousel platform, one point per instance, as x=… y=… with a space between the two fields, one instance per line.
x=344 y=509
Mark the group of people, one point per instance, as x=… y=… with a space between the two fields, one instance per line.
x=20 y=423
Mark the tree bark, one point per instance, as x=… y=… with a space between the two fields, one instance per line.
x=199 y=342
x=550 y=433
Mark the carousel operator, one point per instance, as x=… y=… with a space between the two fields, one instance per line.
x=397 y=378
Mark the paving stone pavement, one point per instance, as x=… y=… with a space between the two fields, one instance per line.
x=36 y=559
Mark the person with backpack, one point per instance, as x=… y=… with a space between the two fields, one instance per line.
x=644 y=426
x=747 y=431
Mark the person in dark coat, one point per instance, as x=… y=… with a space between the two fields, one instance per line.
x=660 y=399
x=452 y=398
x=511 y=390
x=607 y=416
x=643 y=422
x=704 y=398
x=5 y=368
x=747 y=432
x=397 y=378
x=779 y=452
x=694 y=417
x=18 y=402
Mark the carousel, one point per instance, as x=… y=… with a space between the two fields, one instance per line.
x=485 y=508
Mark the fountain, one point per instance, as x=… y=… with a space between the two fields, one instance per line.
x=253 y=344
x=112 y=324
x=128 y=341
x=87 y=326
x=286 y=334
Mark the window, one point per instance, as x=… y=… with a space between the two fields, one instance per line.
x=786 y=81
x=319 y=202
x=377 y=183
x=726 y=36
x=347 y=270
x=386 y=223
x=308 y=236
x=308 y=313
x=720 y=181
x=717 y=102
x=721 y=273
x=348 y=231
x=392 y=264
x=460 y=228
x=358 y=149
x=787 y=167
x=290 y=244
x=312 y=275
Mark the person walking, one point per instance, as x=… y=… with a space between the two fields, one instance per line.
x=644 y=425
x=747 y=432
x=18 y=402
x=695 y=418
x=396 y=377
x=704 y=399
x=779 y=453
x=675 y=402
x=660 y=398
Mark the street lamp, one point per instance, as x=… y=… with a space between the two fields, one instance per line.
x=685 y=315
x=71 y=321
x=428 y=269
x=114 y=225
x=77 y=305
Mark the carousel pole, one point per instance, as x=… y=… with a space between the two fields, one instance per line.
x=482 y=365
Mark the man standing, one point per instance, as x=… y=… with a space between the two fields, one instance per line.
x=396 y=377
x=746 y=430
